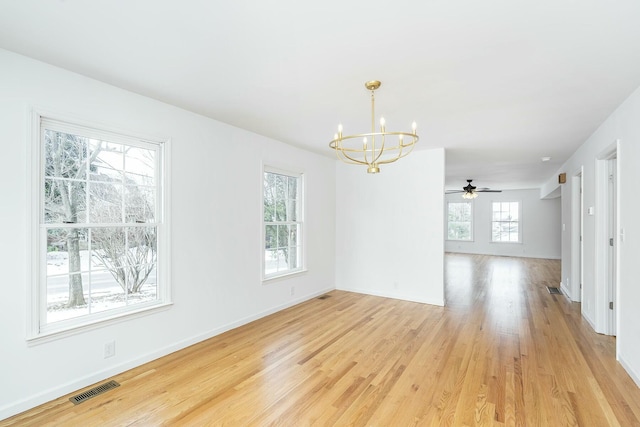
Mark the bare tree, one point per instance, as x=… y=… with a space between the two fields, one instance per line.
x=65 y=168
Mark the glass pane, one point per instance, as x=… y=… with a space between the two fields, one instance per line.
x=281 y=187
x=105 y=202
x=293 y=234
x=106 y=290
x=513 y=210
x=293 y=257
x=67 y=250
x=495 y=232
x=107 y=161
x=281 y=210
x=65 y=155
x=270 y=261
x=283 y=236
x=271 y=237
x=141 y=251
x=292 y=192
x=108 y=247
x=292 y=210
x=283 y=255
x=269 y=210
x=140 y=165
x=139 y=204
x=149 y=289
x=66 y=297
x=64 y=201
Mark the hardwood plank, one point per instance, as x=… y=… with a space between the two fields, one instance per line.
x=503 y=352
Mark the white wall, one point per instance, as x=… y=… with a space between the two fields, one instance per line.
x=389 y=240
x=539 y=219
x=216 y=232
x=622 y=128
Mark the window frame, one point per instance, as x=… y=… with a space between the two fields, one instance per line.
x=519 y=221
x=267 y=277
x=470 y=204
x=38 y=329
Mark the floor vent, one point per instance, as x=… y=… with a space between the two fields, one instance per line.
x=86 y=395
x=324 y=296
x=553 y=290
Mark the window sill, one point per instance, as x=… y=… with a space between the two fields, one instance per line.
x=74 y=330
x=269 y=279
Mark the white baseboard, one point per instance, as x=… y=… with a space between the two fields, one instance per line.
x=395 y=296
x=14 y=408
x=634 y=375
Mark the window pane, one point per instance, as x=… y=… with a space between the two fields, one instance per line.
x=65 y=156
x=64 y=201
x=270 y=261
x=139 y=204
x=105 y=202
x=283 y=236
x=63 y=289
x=107 y=161
x=140 y=165
x=271 y=237
x=281 y=187
x=106 y=291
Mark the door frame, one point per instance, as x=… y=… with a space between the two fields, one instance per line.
x=607 y=217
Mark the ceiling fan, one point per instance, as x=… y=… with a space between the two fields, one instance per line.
x=471 y=191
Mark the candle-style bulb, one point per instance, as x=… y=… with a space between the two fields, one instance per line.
x=340 y=128
x=382 y=122
x=414 y=126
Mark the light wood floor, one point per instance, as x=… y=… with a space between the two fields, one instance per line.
x=503 y=352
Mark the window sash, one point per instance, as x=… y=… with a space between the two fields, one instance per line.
x=134 y=181
x=459 y=217
x=505 y=224
x=282 y=222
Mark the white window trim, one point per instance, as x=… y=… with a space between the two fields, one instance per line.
x=500 y=242
x=303 y=234
x=35 y=333
x=471 y=231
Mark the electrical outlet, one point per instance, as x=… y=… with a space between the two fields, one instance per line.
x=110 y=349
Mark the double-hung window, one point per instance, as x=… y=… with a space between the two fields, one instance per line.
x=282 y=223
x=505 y=222
x=101 y=231
x=460 y=221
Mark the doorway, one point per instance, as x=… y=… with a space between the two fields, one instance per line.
x=577 y=211
x=607 y=209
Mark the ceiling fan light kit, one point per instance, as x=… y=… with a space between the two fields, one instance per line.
x=374 y=148
x=470 y=191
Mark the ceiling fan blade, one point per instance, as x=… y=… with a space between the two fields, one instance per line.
x=454 y=191
x=488 y=191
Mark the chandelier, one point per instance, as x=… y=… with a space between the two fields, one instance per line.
x=374 y=148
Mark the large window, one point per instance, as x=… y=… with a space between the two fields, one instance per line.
x=459 y=221
x=282 y=213
x=101 y=229
x=505 y=222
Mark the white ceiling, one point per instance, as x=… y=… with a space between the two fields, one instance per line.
x=498 y=83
